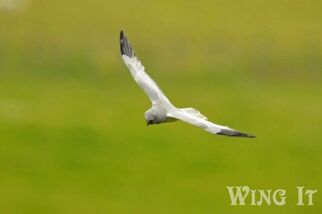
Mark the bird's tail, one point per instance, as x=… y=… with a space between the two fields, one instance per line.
x=194 y=112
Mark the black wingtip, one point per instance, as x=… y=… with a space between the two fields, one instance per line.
x=233 y=133
x=121 y=34
x=125 y=46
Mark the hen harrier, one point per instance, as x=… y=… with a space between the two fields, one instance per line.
x=162 y=109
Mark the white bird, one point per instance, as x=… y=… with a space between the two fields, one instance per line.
x=162 y=109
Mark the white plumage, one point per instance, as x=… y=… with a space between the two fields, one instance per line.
x=162 y=109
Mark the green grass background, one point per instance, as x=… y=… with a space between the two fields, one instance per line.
x=72 y=133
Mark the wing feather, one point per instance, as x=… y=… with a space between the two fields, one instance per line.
x=203 y=123
x=140 y=76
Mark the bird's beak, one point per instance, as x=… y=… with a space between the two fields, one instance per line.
x=149 y=122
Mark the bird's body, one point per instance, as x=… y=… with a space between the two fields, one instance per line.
x=157 y=114
x=162 y=110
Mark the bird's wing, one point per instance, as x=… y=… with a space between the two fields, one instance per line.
x=202 y=122
x=140 y=76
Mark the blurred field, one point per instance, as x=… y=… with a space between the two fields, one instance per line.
x=72 y=133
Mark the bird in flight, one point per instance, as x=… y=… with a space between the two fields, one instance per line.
x=162 y=110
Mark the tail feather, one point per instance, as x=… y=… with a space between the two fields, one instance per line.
x=194 y=112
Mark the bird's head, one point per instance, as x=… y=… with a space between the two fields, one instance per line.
x=149 y=122
x=149 y=117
